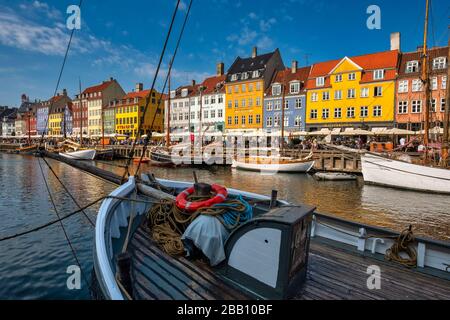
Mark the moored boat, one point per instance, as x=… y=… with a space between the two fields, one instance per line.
x=266 y=257
x=88 y=154
x=334 y=176
x=274 y=164
x=380 y=170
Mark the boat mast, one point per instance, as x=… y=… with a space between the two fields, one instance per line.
x=64 y=122
x=81 y=114
x=29 y=127
x=283 y=101
x=445 y=137
x=426 y=82
x=168 y=108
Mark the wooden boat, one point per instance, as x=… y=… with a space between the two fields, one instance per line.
x=380 y=170
x=88 y=154
x=334 y=176
x=274 y=164
x=27 y=149
x=143 y=160
x=284 y=252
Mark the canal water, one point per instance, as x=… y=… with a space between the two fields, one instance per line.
x=35 y=266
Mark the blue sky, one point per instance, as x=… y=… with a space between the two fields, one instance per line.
x=123 y=39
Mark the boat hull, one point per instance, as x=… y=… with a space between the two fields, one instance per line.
x=275 y=167
x=80 y=155
x=398 y=174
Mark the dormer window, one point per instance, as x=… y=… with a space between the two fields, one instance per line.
x=255 y=74
x=412 y=66
x=234 y=77
x=294 y=87
x=172 y=94
x=244 y=76
x=184 y=93
x=378 y=74
x=439 y=63
x=320 y=82
x=276 y=89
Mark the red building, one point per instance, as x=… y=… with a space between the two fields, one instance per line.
x=410 y=94
x=80 y=114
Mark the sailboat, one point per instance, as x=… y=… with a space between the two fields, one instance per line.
x=78 y=153
x=381 y=170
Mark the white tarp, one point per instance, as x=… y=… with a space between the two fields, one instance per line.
x=209 y=235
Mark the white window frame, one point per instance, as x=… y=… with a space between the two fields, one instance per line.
x=313 y=114
x=276 y=89
x=378 y=74
x=378 y=91
x=325 y=95
x=439 y=63
x=294 y=87
x=352 y=76
x=320 y=81
x=338 y=78
x=365 y=92
x=416 y=106
x=337 y=94
x=351 y=112
x=412 y=66
x=403 y=86
x=351 y=93
x=402 y=107
x=416 y=85
x=314 y=97
x=377 y=111
x=325 y=113
x=338 y=113
x=364 y=112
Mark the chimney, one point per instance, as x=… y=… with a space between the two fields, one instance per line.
x=395 y=41
x=111 y=79
x=64 y=92
x=24 y=98
x=254 y=52
x=294 y=66
x=193 y=83
x=139 y=87
x=220 y=69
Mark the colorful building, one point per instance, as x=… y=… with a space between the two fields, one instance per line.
x=410 y=113
x=54 y=106
x=289 y=85
x=80 y=115
x=109 y=118
x=8 y=122
x=130 y=112
x=246 y=82
x=185 y=108
x=352 y=92
x=98 y=98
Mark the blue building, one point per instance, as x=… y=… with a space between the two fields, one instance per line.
x=41 y=119
x=68 y=120
x=290 y=83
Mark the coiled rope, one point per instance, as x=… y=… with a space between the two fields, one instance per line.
x=167 y=222
x=402 y=244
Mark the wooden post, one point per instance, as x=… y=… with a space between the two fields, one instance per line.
x=426 y=83
x=445 y=137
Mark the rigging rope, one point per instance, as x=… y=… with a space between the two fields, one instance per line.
x=148 y=98
x=402 y=244
x=165 y=84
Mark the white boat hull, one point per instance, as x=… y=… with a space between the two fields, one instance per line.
x=274 y=167
x=393 y=173
x=80 y=155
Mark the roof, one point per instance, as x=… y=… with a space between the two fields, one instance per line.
x=98 y=88
x=250 y=64
x=8 y=113
x=193 y=90
x=286 y=76
x=417 y=55
x=214 y=84
x=381 y=60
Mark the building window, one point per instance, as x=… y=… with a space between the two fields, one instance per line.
x=255 y=74
x=269 y=122
x=234 y=77
x=243 y=103
x=297 y=121
x=236 y=89
x=277 y=105
x=444 y=82
x=402 y=107
x=377 y=111
x=378 y=91
x=206 y=114
x=236 y=120
x=243 y=119
x=433 y=105
x=350 y=112
x=412 y=66
x=378 y=74
x=250 y=87
x=338 y=78
x=442 y=104
x=325 y=113
x=337 y=94
x=320 y=81
x=276 y=121
x=352 y=76
x=439 y=63
x=236 y=104
x=286 y=121
x=276 y=90
x=314 y=97
x=258 y=119
x=250 y=119
x=229 y=120
x=258 y=86
x=269 y=106
x=325 y=95
x=298 y=103
x=220 y=99
x=230 y=103
x=364 y=112
x=416 y=85
x=220 y=113
x=351 y=93
x=258 y=102
x=434 y=83
x=244 y=76
x=243 y=88
x=192 y=115
x=337 y=113
x=403 y=86
x=295 y=87
x=229 y=89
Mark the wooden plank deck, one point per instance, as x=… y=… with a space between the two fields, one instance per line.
x=333 y=273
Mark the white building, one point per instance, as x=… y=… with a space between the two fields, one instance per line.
x=8 y=122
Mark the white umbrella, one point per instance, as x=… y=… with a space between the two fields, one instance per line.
x=322 y=132
x=300 y=133
x=396 y=131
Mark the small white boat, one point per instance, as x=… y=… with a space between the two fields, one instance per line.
x=335 y=176
x=400 y=174
x=274 y=164
x=80 y=155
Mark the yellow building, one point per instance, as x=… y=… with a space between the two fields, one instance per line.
x=352 y=92
x=55 y=123
x=130 y=111
x=245 y=84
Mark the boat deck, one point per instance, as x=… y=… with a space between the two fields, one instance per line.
x=333 y=273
